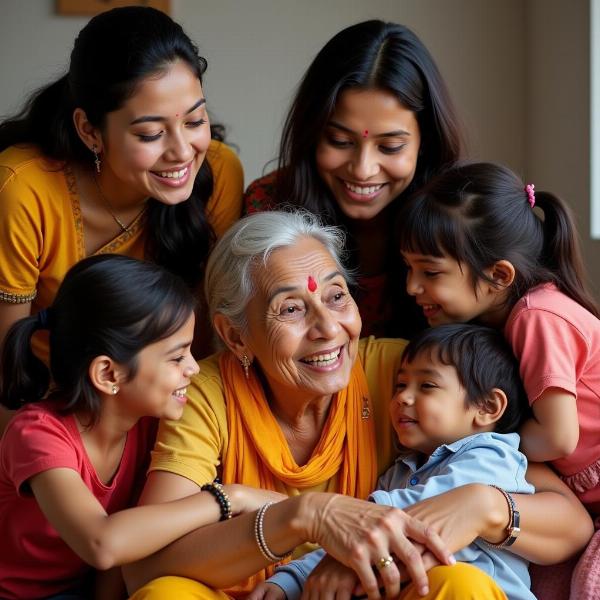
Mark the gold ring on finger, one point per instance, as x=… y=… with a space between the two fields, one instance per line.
x=384 y=561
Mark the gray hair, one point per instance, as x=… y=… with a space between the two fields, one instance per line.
x=228 y=283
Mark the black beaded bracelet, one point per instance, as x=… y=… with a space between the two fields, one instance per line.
x=216 y=489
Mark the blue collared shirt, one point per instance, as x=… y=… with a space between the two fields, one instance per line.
x=481 y=458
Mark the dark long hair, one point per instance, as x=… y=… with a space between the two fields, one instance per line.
x=112 y=54
x=479 y=213
x=107 y=304
x=368 y=55
x=483 y=361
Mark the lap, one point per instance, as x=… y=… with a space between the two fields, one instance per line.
x=177 y=587
x=459 y=582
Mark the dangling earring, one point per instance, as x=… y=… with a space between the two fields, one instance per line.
x=114 y=389
x=96 y=158
x=246 y=362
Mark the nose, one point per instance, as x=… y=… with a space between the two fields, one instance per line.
x=413 y=284
x=191 y=366
x=404 y=396
x=179 y=149
x=365 y=163
x=324 y=323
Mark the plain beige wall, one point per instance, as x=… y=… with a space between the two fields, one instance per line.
x=518 y=71
x=557 y=143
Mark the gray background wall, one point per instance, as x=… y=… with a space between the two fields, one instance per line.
x=518 y=71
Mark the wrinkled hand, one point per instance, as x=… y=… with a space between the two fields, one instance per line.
x=459 y=515
x=330 y=580
x=245 y=499
x=360 y=533
x=266 y=591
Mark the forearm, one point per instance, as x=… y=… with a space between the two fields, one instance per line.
x=536 y=442
x=554 y=524
x=553 y=527
x=225 y=553
x=119 y=541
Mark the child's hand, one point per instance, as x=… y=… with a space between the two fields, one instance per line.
x=245 y=499
x=330 y=579
x=266 y=591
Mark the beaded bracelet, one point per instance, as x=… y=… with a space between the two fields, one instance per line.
x=514 y=521
x=216 y=489
x=259 y=534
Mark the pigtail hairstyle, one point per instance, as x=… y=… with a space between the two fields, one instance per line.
x=112 y=54
x=561 y=253
x=107 y=304
x=480 y=213
x=25 y=377
x=369 y=55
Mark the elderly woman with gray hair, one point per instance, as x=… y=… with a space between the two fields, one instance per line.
x=297 y=404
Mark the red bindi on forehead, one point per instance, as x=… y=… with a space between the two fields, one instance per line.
x=365 y=133
x=311 y=284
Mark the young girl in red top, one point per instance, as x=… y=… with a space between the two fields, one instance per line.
x=120 y=337
x=480 y=245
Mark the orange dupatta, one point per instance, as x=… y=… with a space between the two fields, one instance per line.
x=259 y=456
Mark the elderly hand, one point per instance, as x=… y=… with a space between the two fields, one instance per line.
x=363 y=535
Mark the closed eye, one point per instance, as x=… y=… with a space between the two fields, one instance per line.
x=391 y=149
x=193 y=124
x=150 y=138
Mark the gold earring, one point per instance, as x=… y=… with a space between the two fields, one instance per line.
x=96 y=158
x=114 y=389
x=246 y=362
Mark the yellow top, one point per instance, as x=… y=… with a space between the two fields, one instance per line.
x=42 y=230
x=194 y=446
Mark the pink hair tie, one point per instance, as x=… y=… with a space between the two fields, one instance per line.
x=530 y=190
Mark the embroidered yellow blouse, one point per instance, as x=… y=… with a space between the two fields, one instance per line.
x=41 y=230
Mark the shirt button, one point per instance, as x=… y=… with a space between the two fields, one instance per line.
x=414 y=481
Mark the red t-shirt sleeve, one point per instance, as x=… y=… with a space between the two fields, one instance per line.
x=552 y=352
x=35 y=442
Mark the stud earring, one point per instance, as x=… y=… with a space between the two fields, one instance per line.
x=246 y=362
x=96 y=158
x=114 y=389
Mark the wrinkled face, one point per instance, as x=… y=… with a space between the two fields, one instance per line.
x=428 y=408
x=154 y=145
x=367 y=154
x=444 y=289
x=164 y=370
x=303 y=325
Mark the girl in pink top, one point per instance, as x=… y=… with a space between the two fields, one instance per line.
x=70 y=464
x=476 y=249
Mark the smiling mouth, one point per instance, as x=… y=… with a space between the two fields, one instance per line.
x=363 y=190
x=180 y=393
x=324 y=359
x=173 y=174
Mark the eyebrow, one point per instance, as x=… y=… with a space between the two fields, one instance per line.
x=154 y=118
x=426 y=372
x=428 y=259
x=293 y=288
x=178 y=347
x=396 y=133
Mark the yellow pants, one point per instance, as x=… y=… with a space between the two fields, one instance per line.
x=460 y=582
